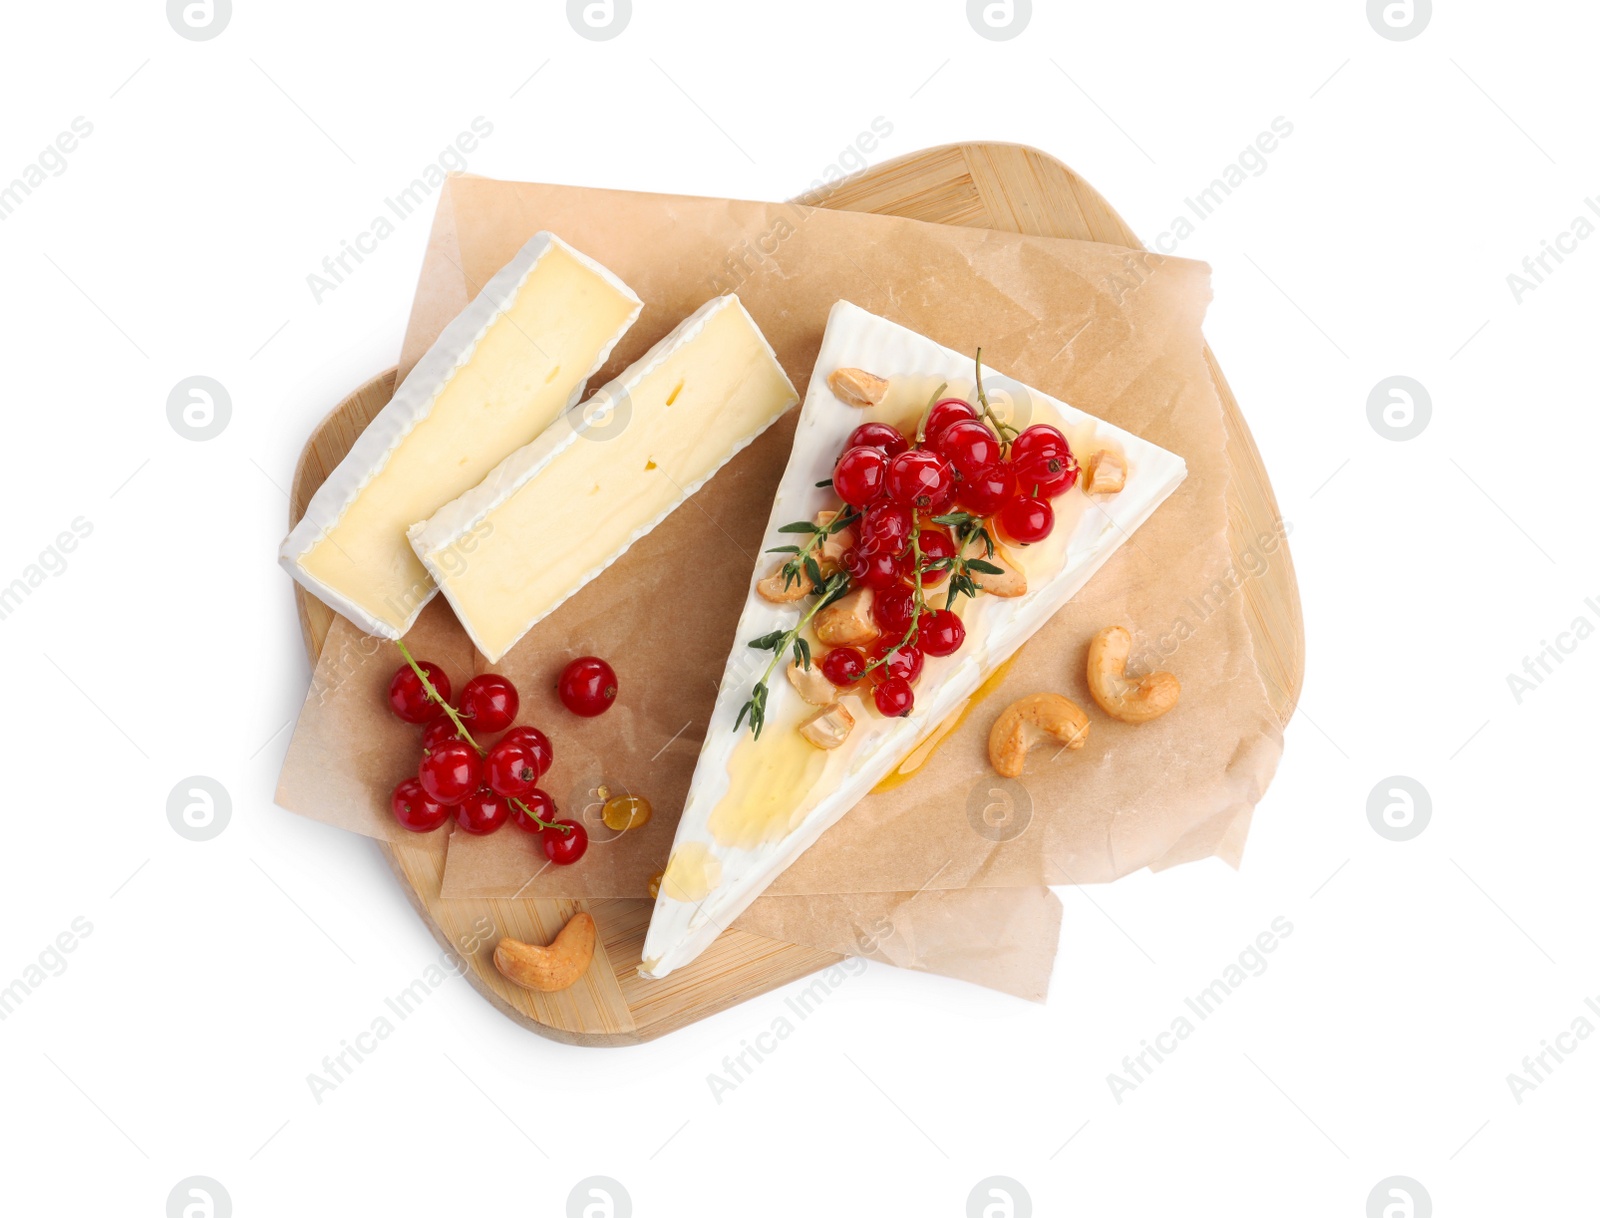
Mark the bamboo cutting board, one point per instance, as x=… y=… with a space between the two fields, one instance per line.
x=1000 y=186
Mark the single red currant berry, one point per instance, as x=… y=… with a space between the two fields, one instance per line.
x=970 y=446
x=894 y=697
x=843 y=666
x=904 y=662
x=986 y=492
x=855 y=563
x=881 y=571
x=885 y=526
x=941 y=633
x=937 y=547
x=488 y=704
x=409 y=700
x=921 y=479
x=1047 y=472
x=893 y=610
x=482 y=812
x=858 y=477
x=881 y=436
x=510 y=769
x=1026 y=519
x=450 y=773
x=542 y=807
x=415 y=809
x=543 y=754
x=944 y=413
x=563 y=849
x=587 y=686
x=1041 y=437
x=440 y=732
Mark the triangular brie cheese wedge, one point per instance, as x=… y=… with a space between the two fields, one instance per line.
x=756 y=803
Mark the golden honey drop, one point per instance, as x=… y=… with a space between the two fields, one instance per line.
x=626 y=812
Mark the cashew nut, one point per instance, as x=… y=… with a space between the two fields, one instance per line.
x=1010 y=582
x=773 y=589
x=835 y=544
x=810 y=684
x=829 y=727
x=1119 y=696
x=1107 y=473
x=857 y=388
x=549 y=968
x=848 y=621
x=1029 y=720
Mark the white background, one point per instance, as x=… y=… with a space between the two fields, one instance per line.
x=1378 y=240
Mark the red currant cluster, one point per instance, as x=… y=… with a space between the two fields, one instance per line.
x=966 y=468
x=487 y=786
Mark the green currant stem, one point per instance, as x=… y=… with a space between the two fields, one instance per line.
x=1001 y=429
x=919 y=603
x=461 y=730
x=922 y=423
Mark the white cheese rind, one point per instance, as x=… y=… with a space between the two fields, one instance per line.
x=412 y=403
x=681 y=929
x=445 y=543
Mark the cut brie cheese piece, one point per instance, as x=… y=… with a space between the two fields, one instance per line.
x=603 y=477
x=755 y=804
x=517 y=357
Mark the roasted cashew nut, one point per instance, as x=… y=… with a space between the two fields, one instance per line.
x=1122 y=698
x=1030 y=720
x=549 y=968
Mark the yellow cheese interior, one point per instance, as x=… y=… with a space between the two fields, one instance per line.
x=515 y=384
x=604 y=489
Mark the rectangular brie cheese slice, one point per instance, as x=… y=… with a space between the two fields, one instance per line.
x=515 y=359
x=755 y=804
x=604 y=476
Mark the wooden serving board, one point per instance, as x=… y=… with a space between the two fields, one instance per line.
x=999 y=186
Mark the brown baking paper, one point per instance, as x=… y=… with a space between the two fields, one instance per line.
x=1115 y=332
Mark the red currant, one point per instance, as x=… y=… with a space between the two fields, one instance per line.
x=880 y=436
x=986 y=492
x=903 y=662
x=876 y=571
x=894 y=697
x=588 y=686
x=937 y=546
x=885 y=526
x=538 y=742
x=843 y=666
x=893 y=610
x=450 y=773
x=921 y=479
x=563 y=849
x=944 y=413
x=511 y=768
x=440 y=732
x=1041 y=437
x=409 y=700
x=941 y=633
x=415 y=810
x=970 y=446
x=482 y=812
x=542 y=807
x=488 y=704
x=858 y=477
x=1027 y=519
x=1047 y=472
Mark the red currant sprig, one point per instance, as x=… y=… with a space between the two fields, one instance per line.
x=461 y=730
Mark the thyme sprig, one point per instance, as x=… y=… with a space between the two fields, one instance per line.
x=805 y=560
x=965 y=527
x=783 y=642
